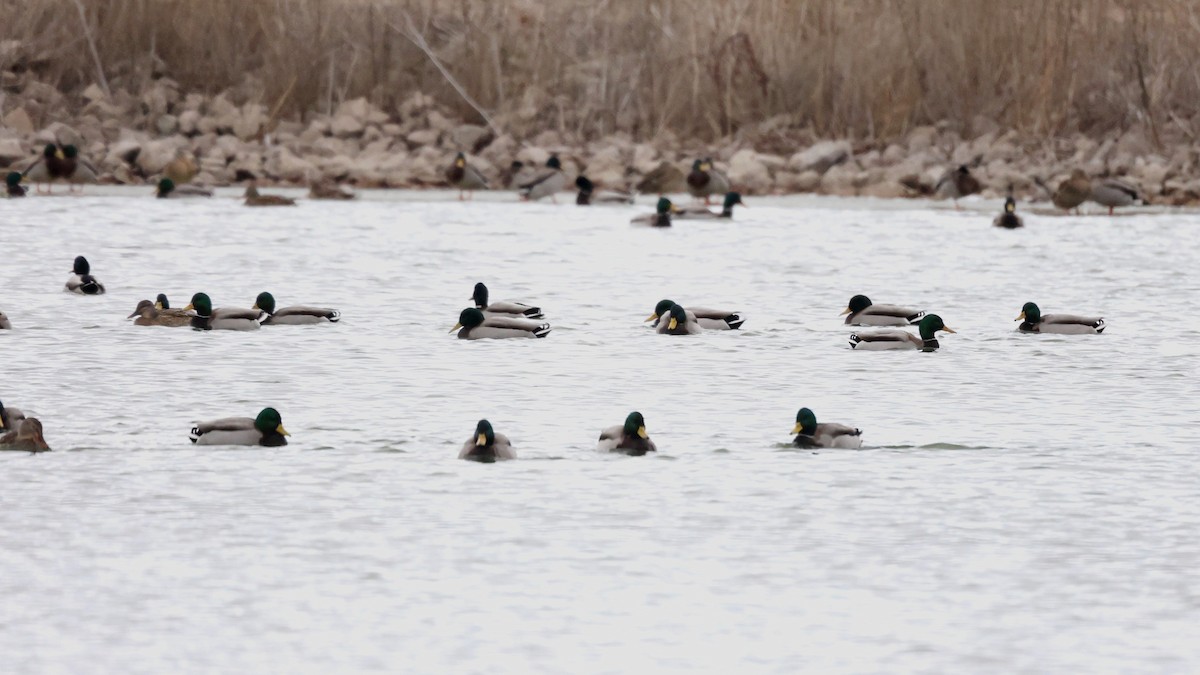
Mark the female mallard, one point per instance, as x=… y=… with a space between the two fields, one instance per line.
x=1073 y=191
x=704 y=181
x=588 y=194
x=863 y=313
x=699 y=212
x=809 y=434
x=81 y=281
x=182 y=168
x=957 y=183
x=167 y=189
x=27 y=437
x=1112 y=192
x=13 y=187
x=487 y=445
x=255 y=198
x=149 y=315
x=465 y=177
x=547 y=184
x=266 y=429
x=47 y=169
x=661 y=216
x=501 y=308
x=1033 y=321
x=902 y=339
x=709 y=319
x=10 y=418
x=1009 y=219
x=328 y=190
x=295 y=315
x=678 y=321
x=77 y=170
x=204 y=317
x=630 y=438
x=475 y=326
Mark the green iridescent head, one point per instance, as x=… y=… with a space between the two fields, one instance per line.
x=806 y=422
x=664 y=206
x=269 y=422
x=1030 y=313
x=732 y=198
x=70 y=151
x=635 y=425
x=484 y=435
x=201 y=304
x=13 y=179
x=165 y=187
x=469 y=318
x=931 y=324
x=266 y=302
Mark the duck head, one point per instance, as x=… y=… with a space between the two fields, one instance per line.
x=678 y=317
x=661 y=308
x=144 y=308
x=165 y=187
x=468 y=318
x=265 y=301
x=161 y=302
x=553 y=162
x=664 y=206
x=1030 y=313
x=70 y=151
x=201 y=305
x=635 y=425
x=484 y=435
x=806 y=422
x=929 y=326
x=731 y=199
x=81 y=266
x=480 y=295
x=857 y=304
x=13 y=179
x=269 y=422
x=1010 y=205
x=460 y=160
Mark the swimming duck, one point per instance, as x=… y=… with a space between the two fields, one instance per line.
x=295 y=315
x=699 y=212
x=77 y=170
x=547 y=184
x=678 y=321
x=500 y=308
x=27 y=437
x=255 y=198
x=630 y=438
x=1073 y=191
x=167 y=189
x=465 y=177
x=163 y=305
x=149 y=315
x=704 y=181
x=328 y=190
x=486 y=445
x=81 y=281
x=864 y=313
x=957 y=183
x=809 y=434
x=902 y=339
x=10 y=418
x=204 y=317
x=181 y=169
x=588 y=195
x=13 y=187
x=661 y=216
x=266 y=430
x=47 y=169
x=1033 y=321
x=1112 y=192
x=1009 y=219
x=475 y=326
x=4 y=323
x=709 y=319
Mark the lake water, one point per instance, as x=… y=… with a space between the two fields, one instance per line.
x=1022 y=503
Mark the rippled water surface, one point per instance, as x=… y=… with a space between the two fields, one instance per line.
x=1023 y=503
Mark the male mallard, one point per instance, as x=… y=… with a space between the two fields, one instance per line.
x=630 y=438
x=678 y=321
x=329 y=190
x=465 y=177
x=27 y=437
x=167 y=189
x=47 y=169
x=500 y=308
x=254 y=198
x=10 y=418
x=149 y=315
x=266 y=429
x=182 y=168
x=1033 y=321
x=547 y=184
x=704 y=181
x=661 y=216
x=809 y=434
x=902 y=339
x=700 y=212
x=204 y=317
x=588 y=195
x=1009 y=218
x=163 y=305
x=957 y=183
x=77 y=170
x=709 y=319
x=487 y=445
x=1073 y=191
x=295 y=315
x=863 y=313
x=13 y=187
x=475 y=326
x=4 y=323
x=81 y=281
x=1112 y=192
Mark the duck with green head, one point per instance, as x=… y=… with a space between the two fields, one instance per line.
x=661 y=216
x=47 y=169
x=1033 y=321
x=902 y=339
x=860 y=311
x=486 y=445
x=167 y=189
x=810 y=434
x=294 y=315
x=501 y=308
x=1009 y=218
x=548 y=183
x=204 y=317
x=76 y=169
x=708 y=319
x=473 y=325
x=266 y=430
x=677 y=321
x=13 y=187
x=704 y=181
x=588 y=194
x=465 y=177
x=701 y=212
x=81 y=280
x=629 y=438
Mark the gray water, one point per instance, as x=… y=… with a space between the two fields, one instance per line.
x=1022 y=503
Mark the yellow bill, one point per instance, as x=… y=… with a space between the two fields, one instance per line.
x=1020 y=318
x=456 y=327
x=845 y=312
x=642 y=432
x=948 y=329
x=798 y=428
x=673 y=324
x=189 y=307
x=481 y=441
x=652 y=318
x=281 y=430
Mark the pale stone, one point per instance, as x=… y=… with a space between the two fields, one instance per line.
x=423 y=137
x=921 y=138
x=11 y=151
x=189 y=122
x=533 y=155
x=281 y=163
x=93 y=93
x=124 y=151
x=820 y=157
x=345 y=126
x=467 y=136
x=155 y=155
x=228 y=146
x=893 y=154
x=167 y=125
x=438 y=121
x=646 y=158
x=748 y=174
x=19 y=120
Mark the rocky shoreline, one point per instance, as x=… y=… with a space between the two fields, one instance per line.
x=131 y=139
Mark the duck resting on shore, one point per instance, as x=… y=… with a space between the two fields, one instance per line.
x=465 y=177
x=704 y=181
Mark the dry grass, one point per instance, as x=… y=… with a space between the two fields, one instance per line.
x=695 y=68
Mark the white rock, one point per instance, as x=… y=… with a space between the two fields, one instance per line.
x=645 y=158
x=820 y=157
x=423 y=137
x=167 y=125
x=345 y=126
x=281 y=163
x=467 y=136
x=189 y=122
x=124 y=151
x=94 y=93
x=155 y=154
x=11 y=151
x=747 y=172
x=921 y=138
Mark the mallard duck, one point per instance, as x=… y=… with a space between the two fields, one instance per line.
x=630 y=438
x=204 y=317
x=4 y=323
x=588 y=195
x=163 y=305
x=13 y=187
x=500 y=308
x=809 y=434
x=547 y=184
x=487 y=445
x=475 y=326
x=661 y=216
x=704 y=181
x=508 y=177
x=254 y=198
x=295 y=315
x=700 y=212
x=465 y=177
x=47 y=169
x=148 y=315
x=10 y=418
x=678 y=321
x=1073 y=191
x=329 y=190
x=81 y=281
x=182 y=168
x=862 y=312
x=957 y=183
x=1033 y=321
x=1112 y=192
x=26 y=438
x=167 y=189
x=266 y=430
x=902 y=339
x=709 y=319
x=77 y=170
x=1009 y=219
